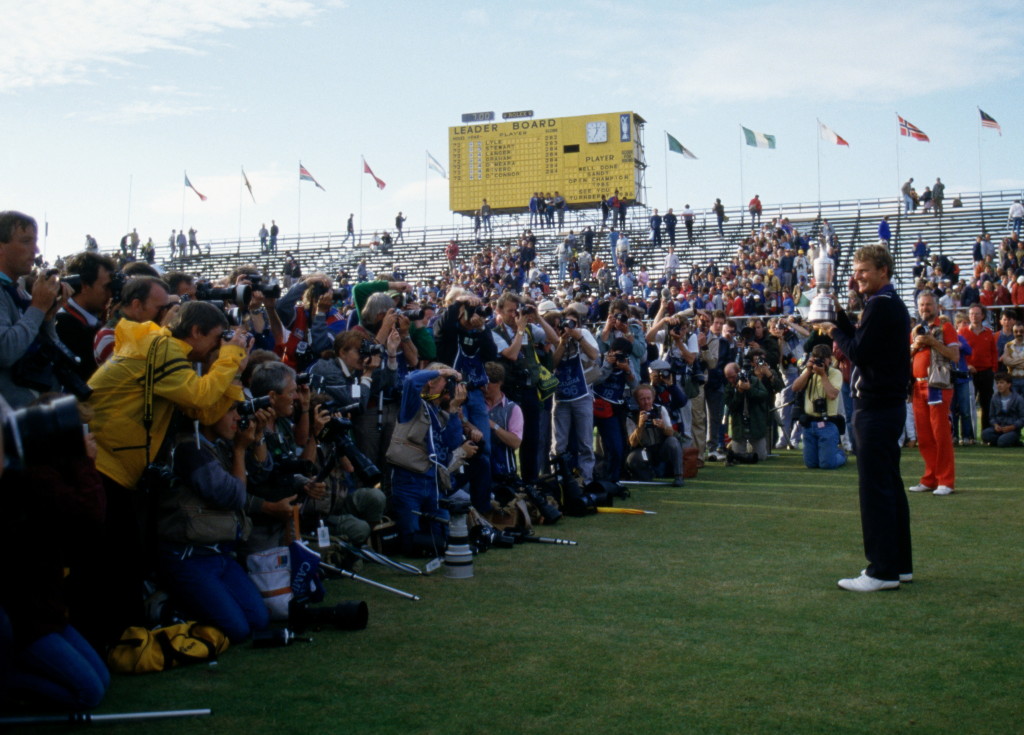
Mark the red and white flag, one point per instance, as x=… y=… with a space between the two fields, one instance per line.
x=366 y=170
x=907 y=128
x=830 y=135
x=188 y=184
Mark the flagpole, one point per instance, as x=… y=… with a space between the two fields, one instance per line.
x=980 y=180
x=298 y=225
x=129 y=225
x=241 y=185
x=362 y=175
x=899 y=179
x=185 y=173
x=667 y=197
x=425 y=154
x=818 y=136
x=742 y=143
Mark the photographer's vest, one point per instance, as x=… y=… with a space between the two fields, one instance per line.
x=467 y=357
x=524 y=371
x=503 y=457
x=572 y=380
x=651 y=435
x=814 y=390
x=417 y=446
x=612 y=388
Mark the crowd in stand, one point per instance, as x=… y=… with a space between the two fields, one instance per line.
x=257 y=400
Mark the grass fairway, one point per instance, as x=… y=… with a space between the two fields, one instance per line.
x=720 y=614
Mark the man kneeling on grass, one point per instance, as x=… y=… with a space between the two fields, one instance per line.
x=818 y=386
x=1007 y=415
x=654 y=446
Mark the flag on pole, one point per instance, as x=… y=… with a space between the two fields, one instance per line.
x=433 y=164
x=906 y=128
x=676 y=147
x=758 y=140
x=366 y=170
x=305 y=175
x=248 y=185
x=830 y=135
x=188 y=184
x=987 y=121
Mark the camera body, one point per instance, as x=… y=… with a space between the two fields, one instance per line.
x=238 y=295
x=368 y=349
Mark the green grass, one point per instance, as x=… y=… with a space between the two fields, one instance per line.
x=720 y=614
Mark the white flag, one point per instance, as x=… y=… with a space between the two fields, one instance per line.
x=432 y=163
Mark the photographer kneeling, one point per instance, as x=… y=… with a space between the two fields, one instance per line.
x=817 y=388
x=655 y=450
x=204 y=513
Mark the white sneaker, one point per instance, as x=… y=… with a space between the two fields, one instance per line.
x=942 y=490
x=921 y=489
x=903 y=577
x=864 y=583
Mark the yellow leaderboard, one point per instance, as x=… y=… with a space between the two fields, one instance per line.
x=584 y=158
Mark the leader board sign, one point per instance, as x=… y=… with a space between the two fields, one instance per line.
x=584 y=158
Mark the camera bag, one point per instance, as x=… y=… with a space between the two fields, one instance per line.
x=143 y=651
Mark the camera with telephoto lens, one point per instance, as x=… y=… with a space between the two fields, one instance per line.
x=413 y=315
x=568 y=324
x=482 y=538
x=39 y=368
x=237 y=295
x=527 y=309
x=351 y=615
x=271 y=289
x=33 y=435
x=621 y=317
x=369 y=348
x=336 y=432
x=116 y=284
x=319 y=289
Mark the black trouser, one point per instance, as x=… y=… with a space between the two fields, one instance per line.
x=983 y=392
x=884 y=511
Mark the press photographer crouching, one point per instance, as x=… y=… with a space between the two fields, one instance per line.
x=426 y=448
x=136 y=394
x=817 y=391
x=288 y=466
x=203 y=515
x=748 y=400
x=655 y=450
x=53 y=502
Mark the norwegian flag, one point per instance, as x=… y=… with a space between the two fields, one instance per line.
x=366 y=170
x=305 y=175
x=909 y=129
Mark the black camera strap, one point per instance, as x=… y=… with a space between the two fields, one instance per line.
x=147 y=396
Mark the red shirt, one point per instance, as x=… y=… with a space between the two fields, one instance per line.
x=923 y=358
x=736 y=307
x=983 y=348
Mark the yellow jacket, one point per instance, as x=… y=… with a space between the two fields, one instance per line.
x=118 y=396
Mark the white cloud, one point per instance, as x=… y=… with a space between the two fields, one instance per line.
x=63 y=42
x=845 y=52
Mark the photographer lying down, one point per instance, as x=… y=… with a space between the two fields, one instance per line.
x=817 y=391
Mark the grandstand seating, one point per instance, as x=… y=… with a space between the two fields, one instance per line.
x=421 y=256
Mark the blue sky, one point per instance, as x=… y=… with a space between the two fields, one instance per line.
x=94 y=95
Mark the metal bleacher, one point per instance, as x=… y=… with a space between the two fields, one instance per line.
x=420 y=256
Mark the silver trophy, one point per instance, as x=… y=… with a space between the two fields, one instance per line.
x=823 y=308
